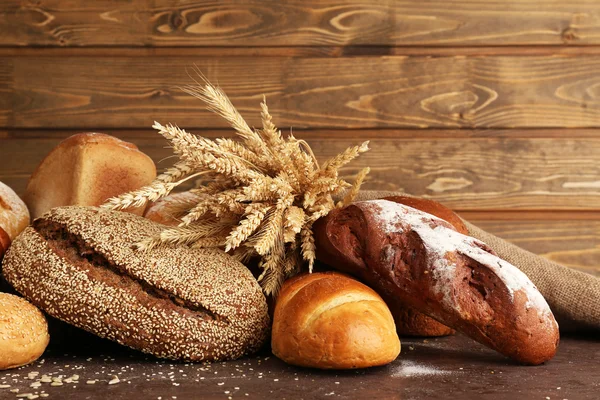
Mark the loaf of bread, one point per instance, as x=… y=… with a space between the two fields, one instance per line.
x=409 y=321
x=170 y=209
x=86 y=169
x=328 y=320
x=420 y=260
x=14 y=217
x=80 y=265
x=23 y=332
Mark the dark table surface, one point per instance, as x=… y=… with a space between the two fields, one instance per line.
x=443 y=368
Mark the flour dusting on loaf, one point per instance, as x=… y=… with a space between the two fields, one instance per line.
x=440 y=238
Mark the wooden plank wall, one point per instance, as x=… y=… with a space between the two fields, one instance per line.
x=492 y=107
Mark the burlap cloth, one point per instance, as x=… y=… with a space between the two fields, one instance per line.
x=573 y=296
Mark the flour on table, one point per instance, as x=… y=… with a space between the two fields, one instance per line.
x=408 y=369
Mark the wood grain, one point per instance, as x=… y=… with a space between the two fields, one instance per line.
x=297 y=23
x=301 y=52
x=478 y=173
x=347 y=92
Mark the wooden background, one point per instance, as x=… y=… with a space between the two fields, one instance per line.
x=492 y=107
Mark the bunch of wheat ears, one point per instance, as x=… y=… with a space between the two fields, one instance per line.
x=263 y=193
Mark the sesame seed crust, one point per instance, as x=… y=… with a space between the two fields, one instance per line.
x=236 y=320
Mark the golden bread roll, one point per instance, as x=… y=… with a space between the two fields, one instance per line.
x=87 y=169
x=14 y=217
x=23 y=332
x=170 y=209
x=328 y=320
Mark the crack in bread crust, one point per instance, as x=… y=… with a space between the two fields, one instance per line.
x=73 y=248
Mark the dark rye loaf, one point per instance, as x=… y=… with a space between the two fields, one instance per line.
x=79 y=265
x=421 y=261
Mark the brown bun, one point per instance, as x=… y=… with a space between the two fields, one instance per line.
x=23 y=332
x=168 y=210
x=79 y=264
x=328 y=320
x=421 y=261
x=87 y=169
x=434 y=208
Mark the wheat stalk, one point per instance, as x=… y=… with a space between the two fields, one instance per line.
x=262 y=194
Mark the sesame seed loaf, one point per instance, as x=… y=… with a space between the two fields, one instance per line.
x=79 y=265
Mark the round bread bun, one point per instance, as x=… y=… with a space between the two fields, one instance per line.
x=23 y=332
x=330 y=321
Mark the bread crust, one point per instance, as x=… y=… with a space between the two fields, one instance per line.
x=14 y=215
x=78 y=264
x=23 y=332
x=4 y=243
x=409 y=321
x=328 y=320
x=86 y=169
x=418 y=259
x=434 y=208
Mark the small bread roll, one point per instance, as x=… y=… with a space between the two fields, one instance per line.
x=14 y=217
x=23 y=332
x=331 y=321
x=87 y=169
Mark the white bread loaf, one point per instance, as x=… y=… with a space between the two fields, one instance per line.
x=87 y=169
